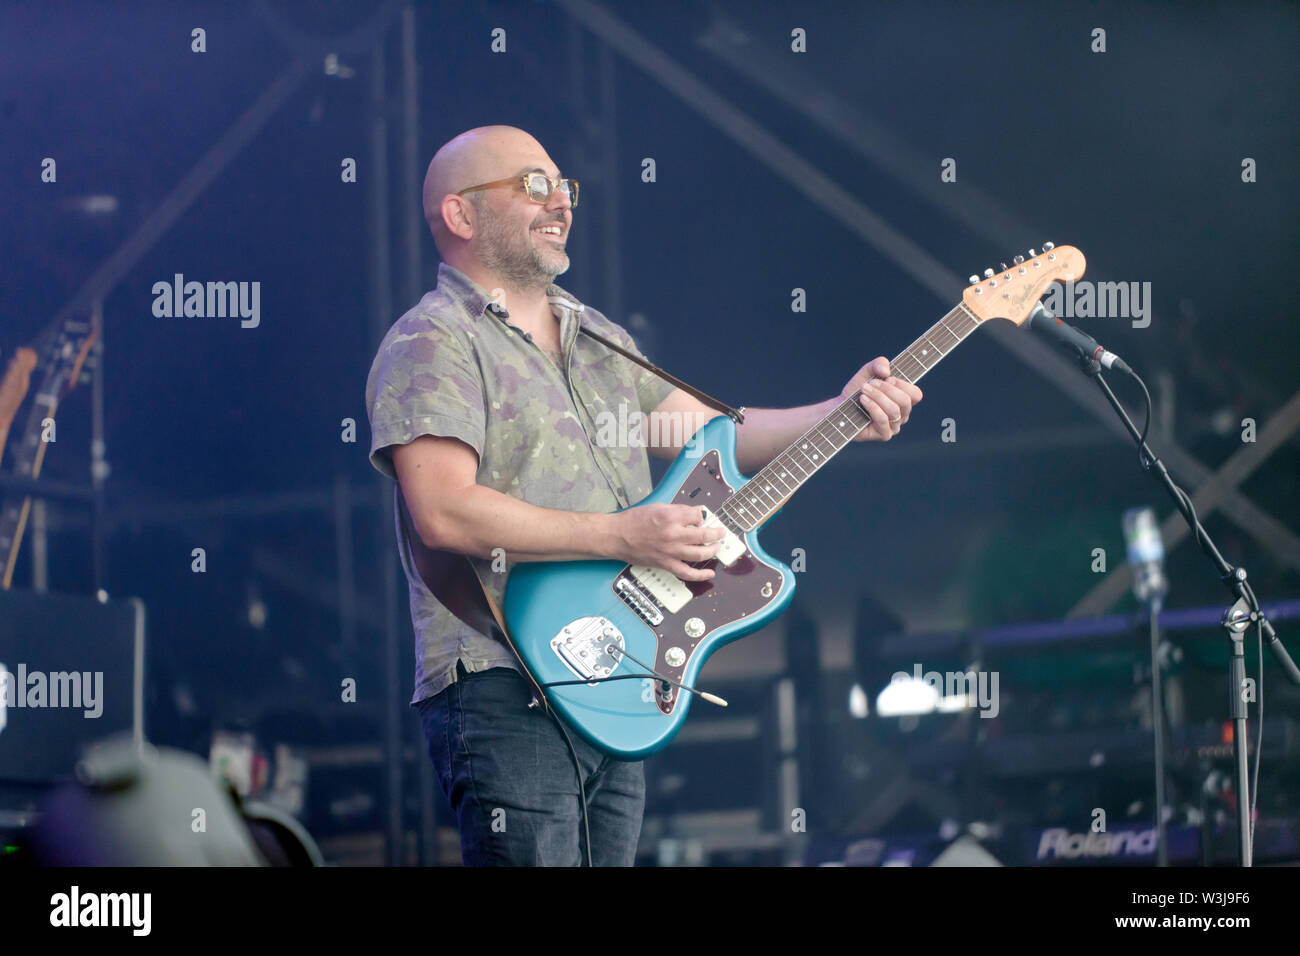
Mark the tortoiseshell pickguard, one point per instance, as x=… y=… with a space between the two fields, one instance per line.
x=735 y=592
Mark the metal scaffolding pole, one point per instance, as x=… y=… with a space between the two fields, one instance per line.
x=412 y=286
x=381 y=316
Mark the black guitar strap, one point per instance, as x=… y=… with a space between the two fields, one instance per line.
x=735 y=414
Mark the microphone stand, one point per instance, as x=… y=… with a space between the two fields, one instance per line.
x=1244 y=612
x=1158 y=727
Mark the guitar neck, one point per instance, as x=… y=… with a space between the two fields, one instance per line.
x=760 y=497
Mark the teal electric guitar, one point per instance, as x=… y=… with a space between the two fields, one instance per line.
x=617 y=649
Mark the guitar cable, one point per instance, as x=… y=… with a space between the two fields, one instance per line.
x=582 y=789
x=573 y=753
x=650 y=672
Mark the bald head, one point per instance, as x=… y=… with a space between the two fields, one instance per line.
x=480 y=155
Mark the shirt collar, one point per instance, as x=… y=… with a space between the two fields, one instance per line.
x=476 y=299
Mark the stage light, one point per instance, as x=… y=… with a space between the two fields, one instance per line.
x=907 y=696
x=859 y=703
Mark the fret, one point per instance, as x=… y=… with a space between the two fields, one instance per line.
x=914 y=370
x=813 y=452
x=822 y=441
x=795 y=464
x=839 y=425
x=930 y=348
x=956 y=338
x=956 y=325
x=833 y=426
x=790 y=462
x=775 y=494
x=837 y=440
x=917 y=360
x=777 y=478
x=943 y=338
x=754 y=490
x=966 y=314
x=803 y=451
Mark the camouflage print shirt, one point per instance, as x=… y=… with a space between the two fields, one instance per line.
x=454 y=367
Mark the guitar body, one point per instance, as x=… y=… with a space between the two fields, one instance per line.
x=599 y=602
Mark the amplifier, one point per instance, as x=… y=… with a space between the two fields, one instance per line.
x=73 y=673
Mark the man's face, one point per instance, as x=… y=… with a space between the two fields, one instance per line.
x=516 y=238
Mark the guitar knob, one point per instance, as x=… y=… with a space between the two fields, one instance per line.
x=988 y=273
x=974 y=280
x=1049 y=246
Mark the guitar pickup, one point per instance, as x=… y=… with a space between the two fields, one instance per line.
x=668 y=589
x=732 y=546
x=639 y=601
x=664 y=586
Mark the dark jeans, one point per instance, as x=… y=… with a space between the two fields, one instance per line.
x=508 y=774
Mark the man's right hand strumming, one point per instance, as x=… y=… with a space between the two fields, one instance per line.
x=665 y=536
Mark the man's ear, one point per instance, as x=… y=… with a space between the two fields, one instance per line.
x=458 y=216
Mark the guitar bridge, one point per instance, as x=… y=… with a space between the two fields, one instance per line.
x=584 y=645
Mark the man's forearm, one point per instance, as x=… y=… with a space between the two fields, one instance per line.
x=478 y=520
x=769 y=431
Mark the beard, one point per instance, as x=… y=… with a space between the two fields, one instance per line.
x=515 y=257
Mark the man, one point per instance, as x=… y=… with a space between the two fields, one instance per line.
x=483 y=403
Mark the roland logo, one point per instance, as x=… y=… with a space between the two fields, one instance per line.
x=1061 y=844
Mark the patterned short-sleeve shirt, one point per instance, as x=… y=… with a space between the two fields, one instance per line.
x=454 y=366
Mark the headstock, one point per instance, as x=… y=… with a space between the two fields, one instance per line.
x=1012 y=292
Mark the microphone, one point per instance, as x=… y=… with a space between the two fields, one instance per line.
x=1146 y=555
x=1071 y=337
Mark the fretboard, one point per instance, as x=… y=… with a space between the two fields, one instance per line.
x=758 y=499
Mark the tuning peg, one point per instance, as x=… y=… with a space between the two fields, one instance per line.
x=988 y=273
x=1049 y=246
x=1018 y=259
x=1004 y=267
x=1032 y=253
x=974 y=280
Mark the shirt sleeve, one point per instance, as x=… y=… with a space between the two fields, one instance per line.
x=425 y=382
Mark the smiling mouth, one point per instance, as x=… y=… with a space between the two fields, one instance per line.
x=551 y=232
